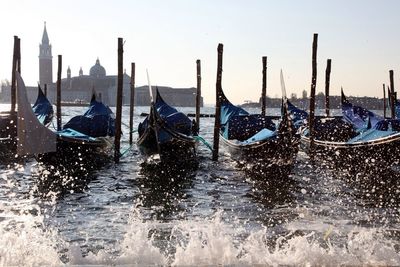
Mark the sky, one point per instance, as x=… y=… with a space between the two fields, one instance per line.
x=168 y=36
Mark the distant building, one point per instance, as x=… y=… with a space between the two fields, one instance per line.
x=81 y=87
x=45 y=60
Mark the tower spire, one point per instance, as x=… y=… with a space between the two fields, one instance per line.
x=45 y=60
x=45 y=37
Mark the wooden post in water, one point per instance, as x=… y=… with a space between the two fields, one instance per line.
x=132 y=103
x=217 y=124
x=13 y=80
x=389 y=97
x=312 y=95
x=384 y=101
x=327 y=83
x=198 y=95
x=19 y=55
x=264 y=86
x=392 y=97
x=117 y=139
x=58 y=101
x=45 y=89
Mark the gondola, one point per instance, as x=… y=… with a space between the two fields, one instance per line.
x=167 y=135
x=255 y=141
x=42 y=109
x=360 y=140
x=84 y=143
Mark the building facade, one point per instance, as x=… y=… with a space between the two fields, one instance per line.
x=80 y=88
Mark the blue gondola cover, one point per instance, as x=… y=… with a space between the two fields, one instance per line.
x=358 y=116
x=172 y=117
x=297 y=115
x=238 y=124
x=97 y=121
x=42 y=108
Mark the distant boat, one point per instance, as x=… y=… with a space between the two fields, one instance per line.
x=256 y=141
x=167 y=133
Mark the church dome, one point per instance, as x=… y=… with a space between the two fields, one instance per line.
x=97 y=70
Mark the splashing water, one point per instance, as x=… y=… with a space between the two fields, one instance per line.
x=215 y=216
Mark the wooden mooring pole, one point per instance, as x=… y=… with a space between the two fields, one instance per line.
x=389 y=97
x=327 y=84
x=13 y=80
x=118 y=117
x=312 y=95
x=392 y=97
x=19 y=56
x=198 y=95
x=384 y=101
x=264 y=86
x=132 y=104
x=217 y=124
x=58 y=103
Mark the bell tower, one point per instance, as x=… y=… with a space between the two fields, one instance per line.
x=45 y=60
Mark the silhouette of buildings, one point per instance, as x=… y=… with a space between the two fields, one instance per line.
x=80 y=88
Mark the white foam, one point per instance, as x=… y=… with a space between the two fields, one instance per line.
x=198 y=241
x=23 y=242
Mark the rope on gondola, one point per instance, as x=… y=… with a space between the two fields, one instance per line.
x=123 y=153
x=127 y=126
x=202 y=140
x=54 y=127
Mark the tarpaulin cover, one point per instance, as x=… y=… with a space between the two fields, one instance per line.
x=42 y=108
x=97 y=121
x=236 y=123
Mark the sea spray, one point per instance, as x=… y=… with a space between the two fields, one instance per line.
x=24 y=242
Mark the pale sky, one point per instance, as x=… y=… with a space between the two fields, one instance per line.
x=167 y=36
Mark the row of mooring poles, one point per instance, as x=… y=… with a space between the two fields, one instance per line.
x=217 y=124
x=263 y=98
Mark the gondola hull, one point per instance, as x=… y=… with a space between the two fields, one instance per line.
x=8 y=129
x=372 y=155
x=166 y=137
x=276 y=156
x=175 y=147
x=74 y=155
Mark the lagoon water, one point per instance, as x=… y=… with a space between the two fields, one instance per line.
x=215 y=215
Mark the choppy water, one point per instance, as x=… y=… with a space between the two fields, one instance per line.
x=215 y=215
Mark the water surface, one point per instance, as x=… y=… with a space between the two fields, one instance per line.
x=216 y=214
